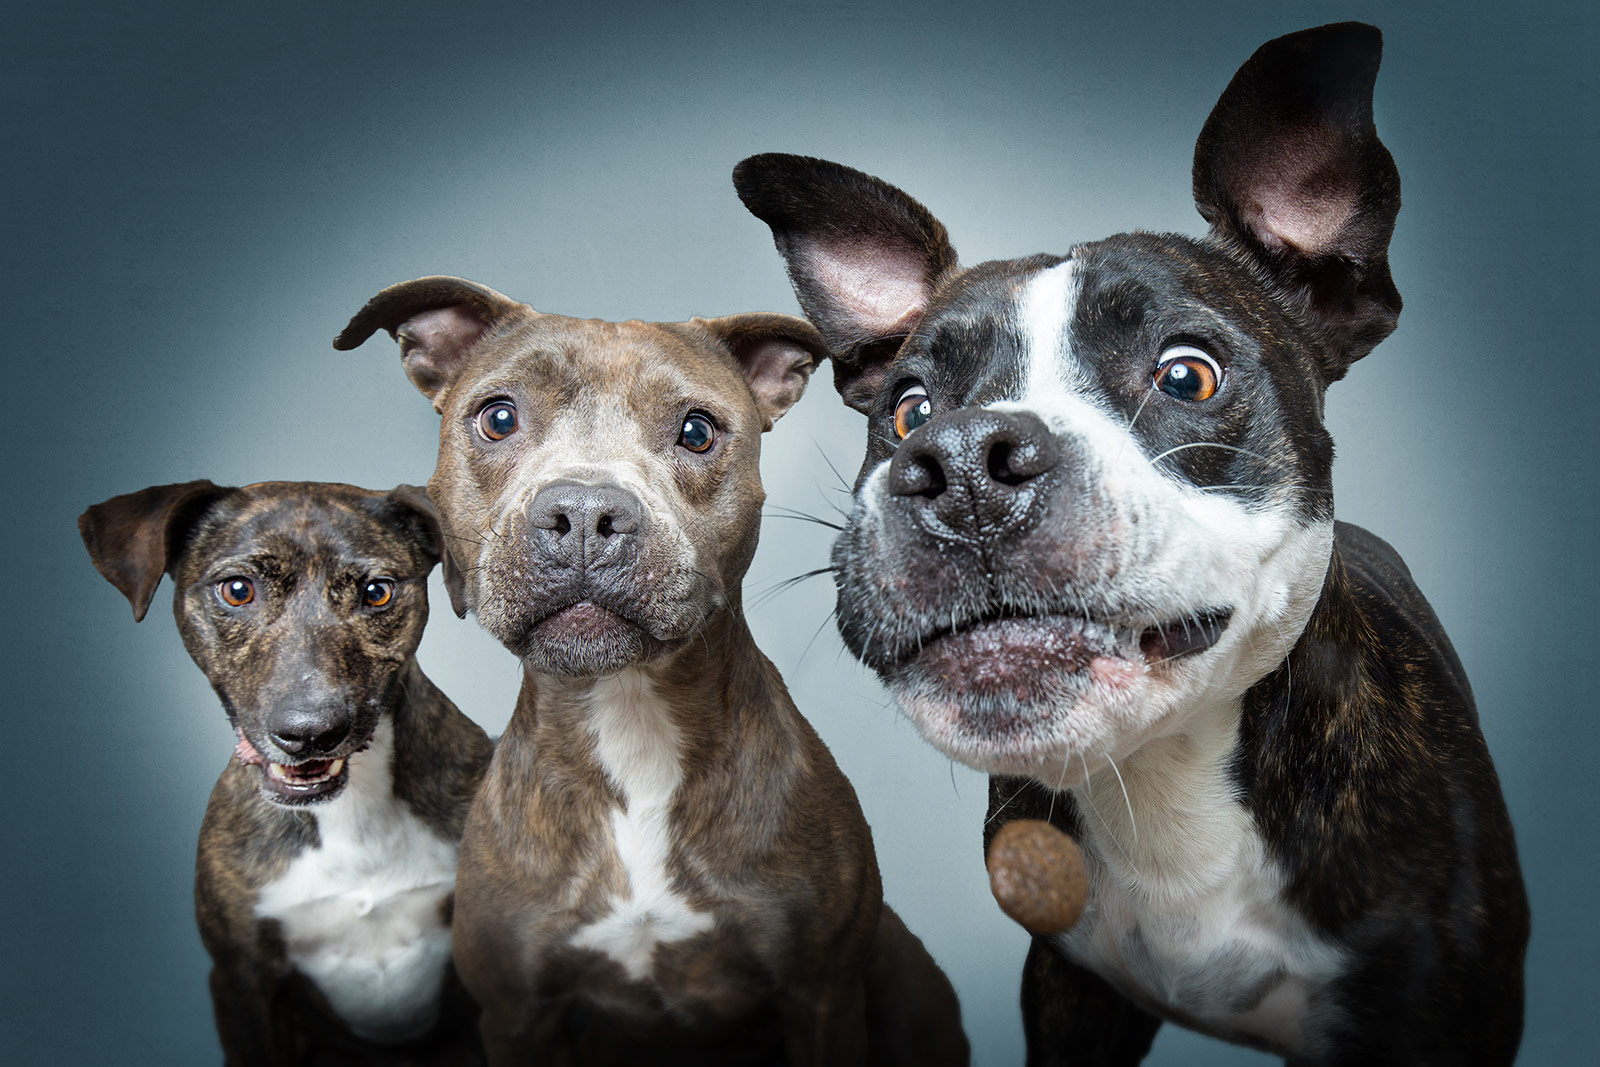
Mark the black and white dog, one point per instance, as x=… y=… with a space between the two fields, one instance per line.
x=1093 y=552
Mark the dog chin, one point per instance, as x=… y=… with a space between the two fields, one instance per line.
x=585 y=640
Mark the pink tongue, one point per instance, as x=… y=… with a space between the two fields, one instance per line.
x=246 y=753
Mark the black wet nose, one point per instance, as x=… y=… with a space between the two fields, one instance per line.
x=585 y=525
x=303 y=731
x=975 y=468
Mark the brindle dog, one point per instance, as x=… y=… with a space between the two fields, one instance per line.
x=663 y=846
x=324 y=881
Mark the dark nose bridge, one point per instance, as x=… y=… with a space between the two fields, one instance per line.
x=976 y=468
x=307 y=701
x=585 y=525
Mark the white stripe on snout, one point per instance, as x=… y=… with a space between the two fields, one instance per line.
x=1044 y=309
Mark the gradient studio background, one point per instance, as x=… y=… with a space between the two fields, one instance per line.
x=198 y=197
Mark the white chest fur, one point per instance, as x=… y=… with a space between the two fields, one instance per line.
x=637 y=745
x=1186 y=912
x=361 y=912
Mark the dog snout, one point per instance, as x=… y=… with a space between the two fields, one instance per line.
x=585 y=526
x=313 y=731
x=975 y=468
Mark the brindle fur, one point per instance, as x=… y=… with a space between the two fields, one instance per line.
x=803 y=962
x=330 y=537
x=1358 y=758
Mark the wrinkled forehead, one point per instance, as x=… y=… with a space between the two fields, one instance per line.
x=301 y=527
x=1001 y=329
x=571 y=364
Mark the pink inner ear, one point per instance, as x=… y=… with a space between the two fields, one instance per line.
x=440 y=330
x=777 y=372
x=1307 y=204
x=432 y=342
x=880 y=290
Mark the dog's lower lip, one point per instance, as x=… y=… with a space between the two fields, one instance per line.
x=1184 y=637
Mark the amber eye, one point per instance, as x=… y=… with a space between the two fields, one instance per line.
x=377 y=592
x=236 y=592
x=911 y=410
x=1187 y=373
x=698 y=433
x=498 y=420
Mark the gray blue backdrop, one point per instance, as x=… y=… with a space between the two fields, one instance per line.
x=196 y=198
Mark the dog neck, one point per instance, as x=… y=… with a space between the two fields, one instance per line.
x=689 y=700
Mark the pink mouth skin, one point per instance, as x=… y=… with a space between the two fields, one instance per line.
x=310 y=780
x=1021 y=660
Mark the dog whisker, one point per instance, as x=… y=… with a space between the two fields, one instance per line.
x=1207 y=444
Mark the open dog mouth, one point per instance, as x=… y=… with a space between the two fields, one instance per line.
x=297 y=783
x=1019 y=655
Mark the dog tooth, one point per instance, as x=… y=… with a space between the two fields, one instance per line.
x=277 y=771
x=335 y=767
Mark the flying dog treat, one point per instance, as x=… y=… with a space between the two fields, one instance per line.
x=1036 y=875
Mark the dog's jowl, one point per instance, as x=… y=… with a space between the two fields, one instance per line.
x=327 y=856
x=665 y=865
x=1093 y=551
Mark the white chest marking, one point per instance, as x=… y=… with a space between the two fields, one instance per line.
x=1187 y=915
x=637 y=744
x=361 y=912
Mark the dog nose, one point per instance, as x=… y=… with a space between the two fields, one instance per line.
x=585 y=525
x=303 y=731
x=975 y=468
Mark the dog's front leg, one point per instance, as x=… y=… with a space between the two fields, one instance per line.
x=252 y=1020
x=1071 y=1016
x=826 y=1025
x=537 y=1035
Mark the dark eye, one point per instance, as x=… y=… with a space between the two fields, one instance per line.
x=236 y=592
x=1186 y=373
x=377 y=592
x=498 y=420
x=911 y=410
x=698 y=433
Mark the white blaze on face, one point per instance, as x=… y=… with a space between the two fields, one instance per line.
x=1188 y=914
x=637 y=744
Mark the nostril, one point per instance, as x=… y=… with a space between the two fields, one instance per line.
x=329 y=740
x=293 y=744
x=916 y=472
x=563 y=525
x=1013 y=462
x=999 y=461
x=931 y=480
x=603 y=526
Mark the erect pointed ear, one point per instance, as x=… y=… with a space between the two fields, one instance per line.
x=437 y=321
x=863 y=256
x=135 y=538
x=1289 y=169
x=776 y=352
x=430 y=532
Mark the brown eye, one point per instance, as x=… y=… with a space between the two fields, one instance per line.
x=1187 y=373
x=911 y=410
x=698 y=434
x=236 y=592
x=377 y=592
x=498 y=420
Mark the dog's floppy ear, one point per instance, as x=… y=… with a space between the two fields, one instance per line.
x=863 y=256
x=776 y=352
x=437 y=320
x=1290 y=170
x=135 y=538
x=415 y=500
